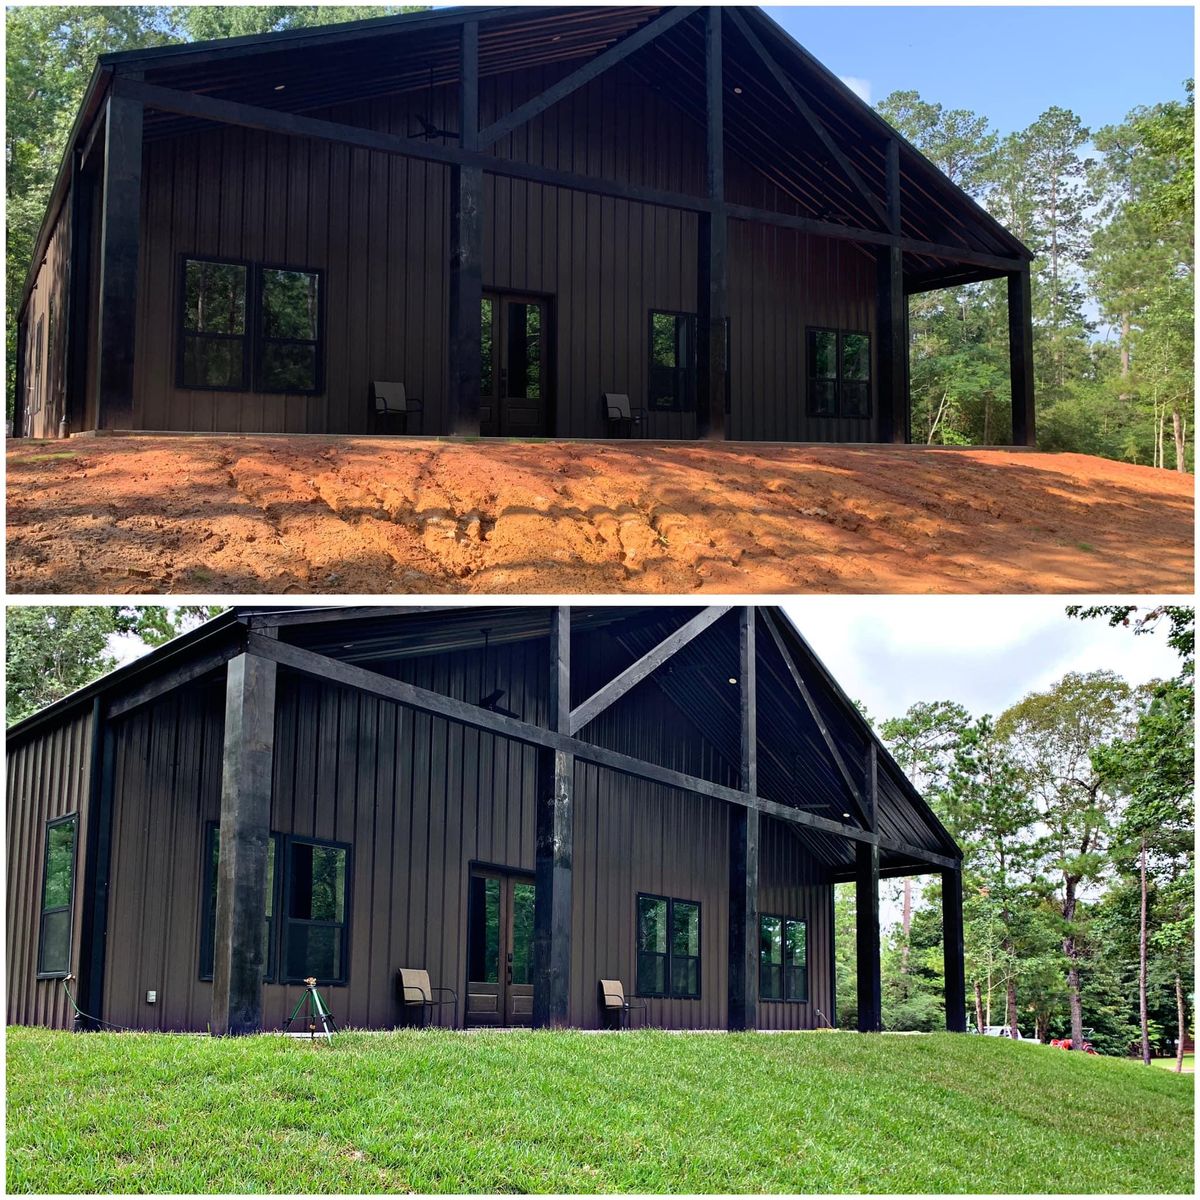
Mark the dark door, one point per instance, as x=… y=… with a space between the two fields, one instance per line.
x=514 y=371
x=499 y=949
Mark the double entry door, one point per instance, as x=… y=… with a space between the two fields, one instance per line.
x=499 y=948
x=514 y=370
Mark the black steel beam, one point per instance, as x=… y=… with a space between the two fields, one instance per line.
x=953 y=953
x=165 y=681
x=811 y=119
x=120 y=237
x=585 y=74
x=891 y=316
x=743 y=844
x=870 y=983
x=855 y=796
x=634 y=674
x=246 y=775
x=1020 y=357
x=343 y=674
x=227 y=112
x=464 y=345
x=79 y=292
x=93 y=938
x=555 y=845
x=317 y=615
x=712 y=273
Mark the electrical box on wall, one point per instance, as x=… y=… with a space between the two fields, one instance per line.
x=151 y=997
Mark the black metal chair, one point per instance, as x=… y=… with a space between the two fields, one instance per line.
x=416 y=996
x=395 y=407
x=615 y=1010
x=621 y=415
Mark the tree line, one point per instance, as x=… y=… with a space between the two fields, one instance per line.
x=1074 y=809
x=1108 y=214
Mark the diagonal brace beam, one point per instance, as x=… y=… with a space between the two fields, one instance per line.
x=628 y=679
x=801 y=106
x=852 y=790
x=584 y=75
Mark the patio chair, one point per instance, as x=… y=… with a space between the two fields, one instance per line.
x=416 y=996
x=615 y=1011
x=395 y=409
x=621 y=415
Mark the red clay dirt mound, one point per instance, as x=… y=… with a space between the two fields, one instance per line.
x=275 y=514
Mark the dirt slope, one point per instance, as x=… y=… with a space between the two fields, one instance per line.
x=361 y=515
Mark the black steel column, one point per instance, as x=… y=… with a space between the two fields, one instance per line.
x=78 y=293
x=1020 y=357
x=249 y=753
x=952 y=951
x=712 y=257
x=120 y=220
x=743 y=847
x=555 y=844
x=866 y=900
x=891 y=318
x=93 y=938
x=466 y=255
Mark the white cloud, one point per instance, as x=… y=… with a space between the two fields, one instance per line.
x=860 y=87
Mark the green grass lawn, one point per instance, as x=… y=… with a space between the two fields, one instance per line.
x=1168 y=1064
x=568 y=1112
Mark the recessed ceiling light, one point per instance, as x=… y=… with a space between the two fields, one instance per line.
x=732 y=679
x=846 y=815
x=280 y=86
x=737 y=91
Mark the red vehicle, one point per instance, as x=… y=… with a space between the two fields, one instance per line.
x=1065 y=1044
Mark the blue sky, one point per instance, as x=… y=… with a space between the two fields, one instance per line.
x=1009 y=64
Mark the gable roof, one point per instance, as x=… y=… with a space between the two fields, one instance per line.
x=311 y=69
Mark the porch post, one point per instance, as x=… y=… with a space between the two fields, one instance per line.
x=78 y=293
x=466 y=255
x=952 y=950
x=866 y=893
x=743 y=847
x=1020 y=357
x=555 y=844
x=712 y=260
x=120 y=218
x=244 y=833
x=891 y=318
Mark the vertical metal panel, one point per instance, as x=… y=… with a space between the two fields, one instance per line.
x=49 y=774
x=44 y=377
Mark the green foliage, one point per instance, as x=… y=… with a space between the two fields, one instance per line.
x=539 y=1112
x=52 y=651
x=1109 y=219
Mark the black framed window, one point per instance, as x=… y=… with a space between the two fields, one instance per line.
x=316 y=911
x=672 y=373
x=208 y=929
x=289 y=348
x=668 y=947
x=213 y=335
x=839 y=373
x=782 y=958
x=58 y=898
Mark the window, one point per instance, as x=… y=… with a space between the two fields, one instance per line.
x=212 y=854
x=235 y=314
x=289 y=345
x=782 y=958
x=58 y=898
x=212 y=352
x=839 y=374
x=668 y=947
x=315 y=911
x=672 y=375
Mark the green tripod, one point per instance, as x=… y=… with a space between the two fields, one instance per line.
x=317 y=1014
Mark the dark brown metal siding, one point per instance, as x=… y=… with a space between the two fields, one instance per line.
x=45 y=382
x=378 y=224
x=49 y=774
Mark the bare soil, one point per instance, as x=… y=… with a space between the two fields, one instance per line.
x=269 y=514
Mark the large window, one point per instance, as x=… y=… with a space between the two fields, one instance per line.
x=235 y=316
x=668 y=947
x=212 y=858
x=58 y=898
x=315 y=911
x=307 y=911
x=672 y=374
x=782 y=958
x=839 y=374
